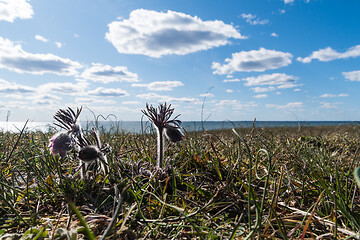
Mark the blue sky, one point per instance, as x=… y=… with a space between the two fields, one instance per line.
x=263 y=59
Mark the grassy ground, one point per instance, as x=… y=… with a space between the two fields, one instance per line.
x=281 y=183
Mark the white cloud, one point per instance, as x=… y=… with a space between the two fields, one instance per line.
x=13 y=88
x=329 y=54
x=248 y=16
x=281 y=80
x=229 y=90
x=14 y=96
x=263 y=89
x=106 y=74
x=254 y=60
x=288 y=85
x=274 y=34
x=45 y=99
x=156 y=34
x=289 y=107
x=207 y=95
x=231 y=80
x=44 y=102
x=41 y=38
x=253 y=20
x=352 y=76
x=14 y=58
x=105 y=110
x=50 y=93
x=258 y=21
x=288 y=1
x=36 y=105
x=131 y=102
x=58 y=44
x=64 y=87
x=92 y=100
x=261 y=96
x=108 y=92
x=328 y=95
x=228 y=102
x=327 y=105
x=236 y=104
x=11 y=9
x=46 y=96
x=159 y=86
x=44 y=93
x=164 y=98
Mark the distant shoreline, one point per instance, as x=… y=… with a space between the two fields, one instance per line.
x=139 y=127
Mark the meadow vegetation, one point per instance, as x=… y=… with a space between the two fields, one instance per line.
x=245 y=183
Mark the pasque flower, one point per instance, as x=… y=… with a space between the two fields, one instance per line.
x=67 y=119
x=61 y=143
x=87 y=150
x=161 y=118
x=93 y=151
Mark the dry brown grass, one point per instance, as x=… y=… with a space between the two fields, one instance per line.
x=281 y=183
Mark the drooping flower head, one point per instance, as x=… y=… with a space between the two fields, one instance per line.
x=92 y=150
x=173 y=133
x=89 y=153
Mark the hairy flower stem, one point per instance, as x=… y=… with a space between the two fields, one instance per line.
x=160 y=146
x=103 y=159
x=161 y=118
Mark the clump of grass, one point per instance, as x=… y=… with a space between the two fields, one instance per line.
x=281 y=183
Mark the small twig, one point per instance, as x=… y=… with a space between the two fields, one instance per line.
x=310 y=217
x=122 y=228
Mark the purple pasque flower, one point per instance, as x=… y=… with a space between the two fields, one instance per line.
x=61 y=143
x=165 y=125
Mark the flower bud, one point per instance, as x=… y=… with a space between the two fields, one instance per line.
x=172 y=133
x=89 y=153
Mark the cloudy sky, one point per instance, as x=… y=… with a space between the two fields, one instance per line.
x=230 y=59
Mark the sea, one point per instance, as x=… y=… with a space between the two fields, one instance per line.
x=145 y=127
